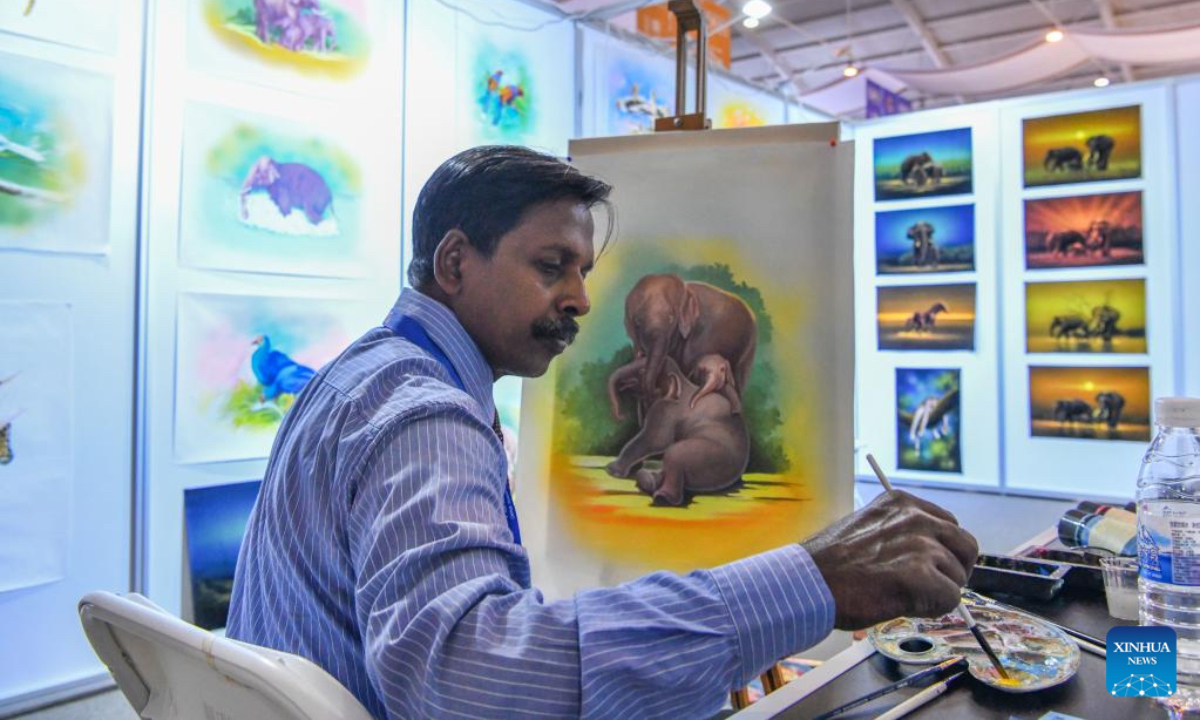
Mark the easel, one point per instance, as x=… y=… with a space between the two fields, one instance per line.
x=688 y=18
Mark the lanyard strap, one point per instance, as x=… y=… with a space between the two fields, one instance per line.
x=412 y=331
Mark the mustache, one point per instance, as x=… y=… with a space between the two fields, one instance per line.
x=564 y=329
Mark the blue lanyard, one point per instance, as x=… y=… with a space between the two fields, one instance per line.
x=412 y=331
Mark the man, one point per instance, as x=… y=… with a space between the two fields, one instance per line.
x=384 y=545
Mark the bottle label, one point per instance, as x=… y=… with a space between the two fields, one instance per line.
x=1169 y=542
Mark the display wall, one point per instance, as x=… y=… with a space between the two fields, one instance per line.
x=1041 y=382
x=271 y=229
x=69 y=92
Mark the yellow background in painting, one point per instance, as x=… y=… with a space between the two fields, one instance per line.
x=612 y=518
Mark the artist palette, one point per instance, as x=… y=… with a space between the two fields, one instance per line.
x=1035 y=655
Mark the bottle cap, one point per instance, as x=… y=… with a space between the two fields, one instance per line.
x=1073 y=527
x=1177 y=412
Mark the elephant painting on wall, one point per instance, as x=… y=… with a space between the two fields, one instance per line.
x=1083 y=147
x=291 y=186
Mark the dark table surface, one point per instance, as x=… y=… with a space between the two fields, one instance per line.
x=1084 y=696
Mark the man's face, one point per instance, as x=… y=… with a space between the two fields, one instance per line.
x=520 y=305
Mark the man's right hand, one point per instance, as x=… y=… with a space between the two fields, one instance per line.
x=899 y=555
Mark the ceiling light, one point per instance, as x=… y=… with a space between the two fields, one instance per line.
x=1101 y=81
x=850 y=71
x=1054 y=36
x=757 y=9
x=750 y=22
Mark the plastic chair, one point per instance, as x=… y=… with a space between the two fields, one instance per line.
x=168 y=668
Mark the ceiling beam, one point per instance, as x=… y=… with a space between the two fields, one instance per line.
x=601 y=9
x=917 y=23
x=783 y=69
x=1109 y=18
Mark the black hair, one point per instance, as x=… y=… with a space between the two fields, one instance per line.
x=486 y=191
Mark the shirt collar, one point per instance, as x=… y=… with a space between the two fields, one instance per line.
x=452 y=338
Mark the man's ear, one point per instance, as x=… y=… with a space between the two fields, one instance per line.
x=448 y=261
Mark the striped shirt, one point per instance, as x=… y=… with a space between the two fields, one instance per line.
x=379 y=550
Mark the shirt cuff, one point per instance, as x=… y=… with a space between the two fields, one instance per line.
x=779 y=603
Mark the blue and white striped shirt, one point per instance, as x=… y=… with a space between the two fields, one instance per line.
x=379 y=550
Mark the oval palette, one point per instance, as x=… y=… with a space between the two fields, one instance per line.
x=1035 y=655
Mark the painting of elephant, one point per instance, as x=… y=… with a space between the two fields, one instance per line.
x=924 y=251
x=1109 y=406
x=923 y=164
x=666 y=317
x=913 y=168
x=1071 y=411
x=1100 y=148
x=703 y=444
x=291 y=186
x=1063 y=158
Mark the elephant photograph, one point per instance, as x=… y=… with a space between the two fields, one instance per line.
x=1083 y=147
x=926 y=317
x=926 y=240
x=1086 y=316
x=258 y=195
x=1084 y=231
x=928 y=423
x=1090 y=403
x=933 y=163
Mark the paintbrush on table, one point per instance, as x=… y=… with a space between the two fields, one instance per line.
x=962 y=609
x=917 y=677
x=924 y=697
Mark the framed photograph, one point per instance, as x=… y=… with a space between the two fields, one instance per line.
x=923 y=165
x=1084 y=231
x=926 y=317
x=1083 y=147
x=928 y=422
x=926 y=240
x=1093 y=403
x=1088 y=316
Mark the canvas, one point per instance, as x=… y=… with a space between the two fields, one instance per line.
x=215 y=522
x=926 y=317
x=242 y=360
x=928 y=421
x=36 y=426
x=646 y=450
x=55 y=156
x=1083 y=147
x=1084 y=231
x=261 y=194
x=1089 y=316
x=1094 y=403
x=87 y=24
x=324 y=38
x=925 y=240
x=922 y=165
x=505 y=98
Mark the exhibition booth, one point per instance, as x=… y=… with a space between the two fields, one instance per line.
x=198 y=213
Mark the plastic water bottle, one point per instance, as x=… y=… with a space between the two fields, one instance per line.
x=1169 y=541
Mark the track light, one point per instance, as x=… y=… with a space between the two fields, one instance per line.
x=1101 y=81
x=757 y=9
x=750 y=23
x=1054 y=36
x=850 y=71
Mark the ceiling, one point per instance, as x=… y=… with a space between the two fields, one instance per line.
x=806 y=44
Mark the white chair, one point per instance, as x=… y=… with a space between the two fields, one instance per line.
x=168 y=668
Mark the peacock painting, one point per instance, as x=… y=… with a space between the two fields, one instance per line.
x=243 y=360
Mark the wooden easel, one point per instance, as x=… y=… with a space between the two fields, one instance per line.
x=688 y=18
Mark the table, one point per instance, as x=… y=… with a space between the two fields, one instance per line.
x=856 y=671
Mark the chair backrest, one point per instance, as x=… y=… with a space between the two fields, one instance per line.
x=168 y=668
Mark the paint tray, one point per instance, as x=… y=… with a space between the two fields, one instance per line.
x=1024 y=577
x=1084 y=566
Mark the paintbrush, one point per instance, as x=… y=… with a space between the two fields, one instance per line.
x=962 y=609
x=913 y=679
x=1086 y=642
x=924 y=697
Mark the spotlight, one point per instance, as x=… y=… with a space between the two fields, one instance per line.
x=1054 y=36
x=850 y=71
x=1101 y=81
x=757 y=9
x=750 y=23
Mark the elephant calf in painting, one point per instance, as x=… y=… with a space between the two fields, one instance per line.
x=704 y=448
